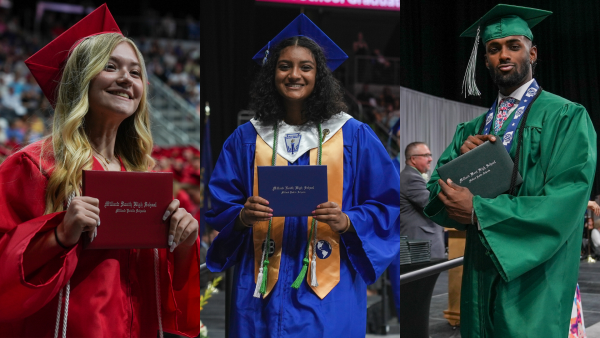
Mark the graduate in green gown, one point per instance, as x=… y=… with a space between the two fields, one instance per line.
x=521 y=258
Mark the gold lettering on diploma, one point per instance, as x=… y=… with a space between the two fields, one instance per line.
x=128 y=207
x=293 y=189
x=477 y=173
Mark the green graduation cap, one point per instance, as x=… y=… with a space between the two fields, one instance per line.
x=500 y=22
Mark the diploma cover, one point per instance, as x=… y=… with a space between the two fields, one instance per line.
x=485 y=170
x=293 y=190
x=132 y=205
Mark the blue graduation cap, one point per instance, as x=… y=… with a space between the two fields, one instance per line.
x=302 y=26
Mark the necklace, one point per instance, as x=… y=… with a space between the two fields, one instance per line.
x=97 y=152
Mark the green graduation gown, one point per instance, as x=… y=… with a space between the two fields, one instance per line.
x=520 y=270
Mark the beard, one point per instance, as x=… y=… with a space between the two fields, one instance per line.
x=511 y=79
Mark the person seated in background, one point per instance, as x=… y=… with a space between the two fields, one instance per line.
x=361 y=48
x=589 y=230
x=414 y=196
x=367 y=101
x=177 y=80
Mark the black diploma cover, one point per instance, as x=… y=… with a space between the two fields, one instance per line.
x=485 y=170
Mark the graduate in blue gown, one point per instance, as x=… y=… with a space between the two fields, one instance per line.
x=304 y=283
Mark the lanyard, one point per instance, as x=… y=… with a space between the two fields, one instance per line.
x=523 y=104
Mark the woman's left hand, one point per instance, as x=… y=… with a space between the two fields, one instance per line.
x=183 y=229
x=331 y=214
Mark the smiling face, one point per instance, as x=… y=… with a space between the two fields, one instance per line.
x=509 y=61
x=118 y=88
x=420 y=158
x=295 y=74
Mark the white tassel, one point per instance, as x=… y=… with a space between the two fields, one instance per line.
x=157 y=289
x=313 y=263
x=313 y=272
x=259 y=278
x=258 y=282
x=469 y=86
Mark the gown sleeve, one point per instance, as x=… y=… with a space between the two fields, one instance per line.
x=180 y=308
x=229 y=188
x=375 y=208
x=435 y=209
x=509 y=225
x=22 y=204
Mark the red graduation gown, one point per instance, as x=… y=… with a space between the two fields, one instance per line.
x=112 y=291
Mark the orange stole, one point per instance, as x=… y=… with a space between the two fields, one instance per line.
x=328 y=270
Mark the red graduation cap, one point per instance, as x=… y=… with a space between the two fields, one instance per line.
x=46 y=65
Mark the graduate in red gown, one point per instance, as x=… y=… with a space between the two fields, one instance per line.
x=95 y=79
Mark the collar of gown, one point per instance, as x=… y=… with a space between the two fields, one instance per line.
x=309 y=135
x=518 y=93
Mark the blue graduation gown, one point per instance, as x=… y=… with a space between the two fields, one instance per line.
x=394 y=270
x=371 y=199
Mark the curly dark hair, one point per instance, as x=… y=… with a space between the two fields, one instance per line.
x=326 y=99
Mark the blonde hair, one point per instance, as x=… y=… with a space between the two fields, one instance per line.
x=70 y=144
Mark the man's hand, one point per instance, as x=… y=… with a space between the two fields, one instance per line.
x=458 y=201
x=475 y=140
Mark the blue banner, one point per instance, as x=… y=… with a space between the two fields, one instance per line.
x=206 y=168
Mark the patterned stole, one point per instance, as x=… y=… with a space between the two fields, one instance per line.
x=328 y=260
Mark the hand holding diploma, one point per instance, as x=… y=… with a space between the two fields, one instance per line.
x=183 y=227
x=255 y=210
x=331 y=214
x=458 y=201
x=82 y=215
x=475 y=140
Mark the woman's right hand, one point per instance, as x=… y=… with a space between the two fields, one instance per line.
x=256 y=210
x=82 y=215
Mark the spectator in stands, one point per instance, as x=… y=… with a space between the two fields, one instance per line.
x=16 y=131
x=386 y=98
x=360 y=46
x=169 y=57
x=168 y=26
x=103 y=83
x=178 y=80
x=12 y=101
x=193 y=28
x=158 y=69
x=368 y=102
x=381 y=67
